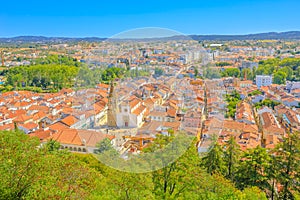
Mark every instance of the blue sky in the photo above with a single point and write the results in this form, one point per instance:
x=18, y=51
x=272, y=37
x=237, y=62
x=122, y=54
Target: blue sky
x=106, y=18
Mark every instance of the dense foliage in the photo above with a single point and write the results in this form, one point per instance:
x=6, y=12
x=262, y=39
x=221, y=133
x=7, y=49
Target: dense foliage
x=222, y=64
x=232, y=100
x=282, y=70
x=267, y=102
x=54, y=72
x=43, y=76
x=231, y=72
x=57, y=60
x=210, y=72
x=28, y=172
x=276, y=171
x=254, y=93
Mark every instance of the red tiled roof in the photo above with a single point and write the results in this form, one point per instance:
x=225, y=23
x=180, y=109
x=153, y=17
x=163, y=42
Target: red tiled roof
x=69, y=120
x=58, y=126
x=41, y=134
x=79, y=137
x=29, y=125
x=22, y=118
x=7, y=127
x=67, y=136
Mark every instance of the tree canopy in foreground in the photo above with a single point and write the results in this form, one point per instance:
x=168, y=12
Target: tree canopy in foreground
x=32, y=172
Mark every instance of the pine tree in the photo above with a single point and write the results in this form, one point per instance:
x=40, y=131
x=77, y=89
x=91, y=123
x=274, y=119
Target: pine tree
x=287, y=156
x=232, y=157
x=253, y=168
x=213, y=162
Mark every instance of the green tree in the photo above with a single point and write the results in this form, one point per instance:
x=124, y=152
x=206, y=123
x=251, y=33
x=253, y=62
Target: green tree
x=232, y=157
x=272, y=174
x=253, y=193
x=54, y=59
x=104, y=146
x=222, y=64
x=232, y=100
x=231, y=72
x=287, y=155
x=123, y=185
x=288, y=71
x=175, y=180
x=254, y=93
x=42, y=76
x=212, y=74
x=28, y=172
x=214, y=162
x=112, y=73
x=52, y=146
x=252, y=169
x=279, y=77
x=248, y=72
x=289, y=66
x=267, y=102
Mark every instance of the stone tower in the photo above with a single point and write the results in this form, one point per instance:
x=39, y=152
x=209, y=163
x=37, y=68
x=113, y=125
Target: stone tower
x=112, y=107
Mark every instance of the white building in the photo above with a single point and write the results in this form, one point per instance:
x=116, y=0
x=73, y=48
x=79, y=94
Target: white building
x=131, y=114
x=263, y=80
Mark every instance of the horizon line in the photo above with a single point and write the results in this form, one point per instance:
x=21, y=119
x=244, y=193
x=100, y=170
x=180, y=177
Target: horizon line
x=111, y=37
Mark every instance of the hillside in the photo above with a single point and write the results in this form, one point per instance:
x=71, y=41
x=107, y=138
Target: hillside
x=291, y=35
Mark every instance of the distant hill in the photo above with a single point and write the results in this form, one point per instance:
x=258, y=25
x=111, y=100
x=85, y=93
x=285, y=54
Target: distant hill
x=43, y=39
x=291, y=35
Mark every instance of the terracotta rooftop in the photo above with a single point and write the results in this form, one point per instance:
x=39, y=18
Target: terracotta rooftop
x=41, y=134
x=22, y=118
x=58, y=126
x=70, y=120
x=29, y=125
x=79, y=137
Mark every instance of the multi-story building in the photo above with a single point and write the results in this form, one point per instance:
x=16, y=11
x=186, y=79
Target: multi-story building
x=131, y=114
x=263, y=80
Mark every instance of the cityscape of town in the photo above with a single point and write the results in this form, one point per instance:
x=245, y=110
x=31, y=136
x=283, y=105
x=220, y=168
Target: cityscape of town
x=205, y=88
x=83, y=94
x=150, y=113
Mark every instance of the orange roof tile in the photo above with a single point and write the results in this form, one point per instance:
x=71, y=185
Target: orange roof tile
x=70, y=120
x=29, y=125
x=58, y=126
